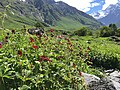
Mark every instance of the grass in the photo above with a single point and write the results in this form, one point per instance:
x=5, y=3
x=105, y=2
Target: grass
x=68, y=23
x=100, y=44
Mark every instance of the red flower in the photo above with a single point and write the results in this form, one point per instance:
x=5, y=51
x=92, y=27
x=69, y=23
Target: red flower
x=51, y=30
x=88, y=48
x=80, y=73
x=0, y=44
x=31, y=39
x=67, y=39
x=35, y=47
x=44, y=58
x=19, y=52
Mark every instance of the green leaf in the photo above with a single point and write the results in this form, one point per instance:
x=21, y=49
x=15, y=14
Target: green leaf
x=24, y=87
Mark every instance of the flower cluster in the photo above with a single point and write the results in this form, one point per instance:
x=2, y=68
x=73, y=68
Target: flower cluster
x=44, y=58
x=51, y=30
x=19, y=52
x=0, y=44
x=31, y=39
x=35, y=46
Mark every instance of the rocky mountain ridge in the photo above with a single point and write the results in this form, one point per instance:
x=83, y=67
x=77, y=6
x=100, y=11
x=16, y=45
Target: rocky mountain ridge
x=54, y=13
x=112, y=14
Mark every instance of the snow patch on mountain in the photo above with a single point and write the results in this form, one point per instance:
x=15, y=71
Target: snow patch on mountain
x=99, y=14
x=103, y=13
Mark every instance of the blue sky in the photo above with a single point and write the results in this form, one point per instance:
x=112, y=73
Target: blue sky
x=97, y=5
x=90, y=6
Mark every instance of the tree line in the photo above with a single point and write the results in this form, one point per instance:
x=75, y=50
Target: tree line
x=104, y=31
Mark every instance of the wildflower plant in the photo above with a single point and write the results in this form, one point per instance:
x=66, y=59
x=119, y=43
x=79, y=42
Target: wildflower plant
x=32, y=64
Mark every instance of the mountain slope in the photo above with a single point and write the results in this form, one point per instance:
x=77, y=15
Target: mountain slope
x=19, y=13
x=57, y=14
x=113, y=14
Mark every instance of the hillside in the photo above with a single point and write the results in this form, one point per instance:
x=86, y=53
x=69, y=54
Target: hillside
x=18, y=13
x=57, y=14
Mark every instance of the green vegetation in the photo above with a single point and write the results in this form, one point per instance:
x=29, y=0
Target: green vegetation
x=15, y=14
x=84, y=31
x=109, y=31
x=54, y=59
x=68, y=23
x=18, y=13
x=41, y=62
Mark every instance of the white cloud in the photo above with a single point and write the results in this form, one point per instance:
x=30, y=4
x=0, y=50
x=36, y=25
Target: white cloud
x=83, y=5
x=108, y=2
x=95, y=4
x=98, y=14
x=86, y=9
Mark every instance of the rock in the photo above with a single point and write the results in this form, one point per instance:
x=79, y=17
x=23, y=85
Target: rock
x=37, y=31
x=115, y=74
x=116, y=84
x=110, y=82
x=115, y=38
x=115, y=78
x=90, y=78
x=102, y=84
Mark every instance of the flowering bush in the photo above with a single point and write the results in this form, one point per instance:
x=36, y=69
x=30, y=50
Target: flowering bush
x=48, y=63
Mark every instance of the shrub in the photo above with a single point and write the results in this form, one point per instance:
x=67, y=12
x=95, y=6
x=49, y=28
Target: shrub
x=82, y=32
x=48, y=63
x=105, y=31
x=117, y=33
x=106, y=61
x=113, y=28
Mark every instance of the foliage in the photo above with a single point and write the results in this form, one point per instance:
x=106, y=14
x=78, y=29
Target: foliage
x=105, y=31
x=41, y=62
x=52, y=61
x=113, y=28
x=117, y=33
x=83, y=31
x=106, y=54
x=106, y=61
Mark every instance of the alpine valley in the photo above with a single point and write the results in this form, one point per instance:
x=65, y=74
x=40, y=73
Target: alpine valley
x=49, y=45
x=57, y=14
